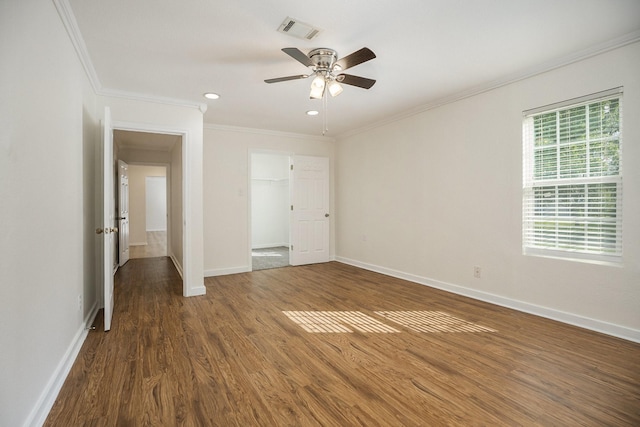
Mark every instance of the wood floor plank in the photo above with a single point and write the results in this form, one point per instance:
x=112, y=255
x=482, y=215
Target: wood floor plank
x=234, y=358
x=156, y=246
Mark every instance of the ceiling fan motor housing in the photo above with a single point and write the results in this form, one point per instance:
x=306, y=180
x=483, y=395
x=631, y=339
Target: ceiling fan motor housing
x=323, y=59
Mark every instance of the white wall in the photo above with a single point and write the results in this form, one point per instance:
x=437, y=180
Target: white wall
x=137, y=200
x=129, y=114
x=156, y=203
x=435, y=194
x=269, y=200
x=226, y=184
x=48, y=139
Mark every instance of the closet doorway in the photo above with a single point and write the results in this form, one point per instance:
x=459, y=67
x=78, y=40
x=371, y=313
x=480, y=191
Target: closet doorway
x=270, y=211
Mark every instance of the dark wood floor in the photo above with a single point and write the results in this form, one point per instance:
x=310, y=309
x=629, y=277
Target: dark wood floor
x=233, y=358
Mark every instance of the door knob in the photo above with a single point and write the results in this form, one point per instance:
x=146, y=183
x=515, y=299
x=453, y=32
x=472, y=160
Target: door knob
x=326, y=215
x=99, y=230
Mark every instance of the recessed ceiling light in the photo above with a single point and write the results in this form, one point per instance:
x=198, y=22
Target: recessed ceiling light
x=211, y=95
x=312, y=113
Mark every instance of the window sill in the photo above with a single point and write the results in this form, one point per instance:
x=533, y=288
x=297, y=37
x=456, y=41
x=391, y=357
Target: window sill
x=609, y=261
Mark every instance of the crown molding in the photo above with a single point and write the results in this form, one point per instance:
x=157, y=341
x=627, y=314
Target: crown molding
x=256, y=131
x=71, y=25
x=580, y=55
x=150, y=98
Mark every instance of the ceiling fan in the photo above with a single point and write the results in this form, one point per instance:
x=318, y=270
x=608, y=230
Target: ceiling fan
x=327, y=69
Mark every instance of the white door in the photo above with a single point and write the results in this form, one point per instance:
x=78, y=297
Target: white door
x=123, y=212
x=108, y=222
x=310, y=210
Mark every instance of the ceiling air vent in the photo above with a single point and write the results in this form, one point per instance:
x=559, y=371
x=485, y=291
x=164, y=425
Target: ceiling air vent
x=298, y=29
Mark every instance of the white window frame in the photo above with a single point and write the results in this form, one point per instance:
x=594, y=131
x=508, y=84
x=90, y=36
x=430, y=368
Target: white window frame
x=533, y=244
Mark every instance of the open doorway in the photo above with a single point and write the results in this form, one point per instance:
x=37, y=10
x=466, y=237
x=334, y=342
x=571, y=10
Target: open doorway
x=270, y=210
x=148, y=211
x=155, y=182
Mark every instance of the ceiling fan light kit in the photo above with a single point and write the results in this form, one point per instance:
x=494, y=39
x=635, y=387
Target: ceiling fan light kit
x=335, y=88
x=317, y=87
x=325, y=65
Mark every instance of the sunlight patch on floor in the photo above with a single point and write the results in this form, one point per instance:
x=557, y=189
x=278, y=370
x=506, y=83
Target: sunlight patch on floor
x=432, y=321
x=335, y=321
x=418, y=321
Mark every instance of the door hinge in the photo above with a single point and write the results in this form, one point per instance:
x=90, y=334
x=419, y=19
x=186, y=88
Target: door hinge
x=291, y=207
x=291, y=247
x=291, y=167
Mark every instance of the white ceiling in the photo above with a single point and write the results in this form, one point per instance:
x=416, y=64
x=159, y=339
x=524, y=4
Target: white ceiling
x=428, y=51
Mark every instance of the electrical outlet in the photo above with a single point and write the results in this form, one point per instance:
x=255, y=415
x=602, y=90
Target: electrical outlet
x=477, y=272
x=80, y=302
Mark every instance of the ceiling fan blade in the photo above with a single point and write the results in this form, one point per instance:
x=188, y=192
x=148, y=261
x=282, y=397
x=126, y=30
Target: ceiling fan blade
x=362, y=82
x=284, y=79
x=358, y=57
x=298, y=55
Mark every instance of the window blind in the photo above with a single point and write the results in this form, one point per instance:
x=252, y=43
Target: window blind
x=572, y=184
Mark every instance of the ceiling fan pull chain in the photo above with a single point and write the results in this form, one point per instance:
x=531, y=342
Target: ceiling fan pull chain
x=325, y=120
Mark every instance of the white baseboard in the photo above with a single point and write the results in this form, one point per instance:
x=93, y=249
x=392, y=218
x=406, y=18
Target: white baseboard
x=191, y=292
x=225, y=271
x=47, y=398
x=176, y=265
x=159, y=229
x=549, y=313
x=91, y=316
x=194, y=292
x=236, y=270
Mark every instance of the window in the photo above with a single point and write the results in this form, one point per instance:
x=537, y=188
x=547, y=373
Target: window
x=572, y=198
